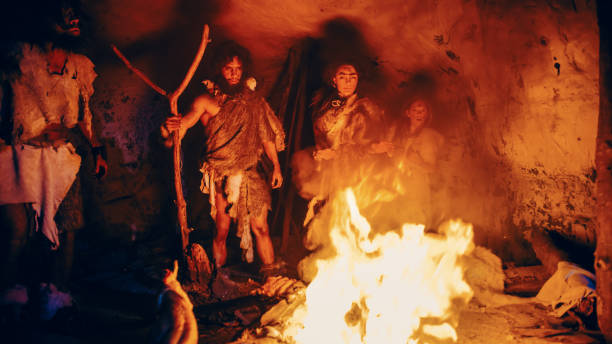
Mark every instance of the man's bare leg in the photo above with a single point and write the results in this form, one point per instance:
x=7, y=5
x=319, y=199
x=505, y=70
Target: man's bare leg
x=222, y=223
x=260, y=228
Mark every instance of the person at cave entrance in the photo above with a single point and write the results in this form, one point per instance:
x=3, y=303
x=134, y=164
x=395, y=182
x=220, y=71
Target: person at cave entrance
x=244, y=137
x=45, y=87
x=347, y=131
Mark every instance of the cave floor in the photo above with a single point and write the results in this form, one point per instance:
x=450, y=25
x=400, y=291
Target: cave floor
x=115, y=293
x=524, y=323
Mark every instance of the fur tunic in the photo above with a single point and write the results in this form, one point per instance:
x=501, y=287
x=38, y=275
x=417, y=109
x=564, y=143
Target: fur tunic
x=341, y=122
x=32, y=100
x=347, y=126
x=233, y=159
x=40, y=99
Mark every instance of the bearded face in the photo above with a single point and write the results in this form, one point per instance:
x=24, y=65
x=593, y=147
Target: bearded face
x=231, y=78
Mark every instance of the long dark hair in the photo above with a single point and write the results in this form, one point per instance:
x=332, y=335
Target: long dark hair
x=328, y=91
x=223, y=55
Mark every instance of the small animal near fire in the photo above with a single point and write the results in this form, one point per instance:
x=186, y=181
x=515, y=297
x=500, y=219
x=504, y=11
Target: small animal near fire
x=176, y=323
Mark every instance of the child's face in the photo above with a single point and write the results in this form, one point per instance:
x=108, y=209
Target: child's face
x=418, y=113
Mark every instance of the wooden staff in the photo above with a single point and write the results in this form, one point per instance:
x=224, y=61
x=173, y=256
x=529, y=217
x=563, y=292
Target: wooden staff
x=173, y=99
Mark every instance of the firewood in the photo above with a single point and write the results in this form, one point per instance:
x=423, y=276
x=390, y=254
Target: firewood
x=279, y=286
x=546, y=251
x=524, y=280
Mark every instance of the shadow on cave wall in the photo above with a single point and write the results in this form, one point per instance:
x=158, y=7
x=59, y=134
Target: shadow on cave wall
x=467, y=183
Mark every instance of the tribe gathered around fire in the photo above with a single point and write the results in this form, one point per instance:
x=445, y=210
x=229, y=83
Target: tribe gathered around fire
x=242, y=131
x=241, y=160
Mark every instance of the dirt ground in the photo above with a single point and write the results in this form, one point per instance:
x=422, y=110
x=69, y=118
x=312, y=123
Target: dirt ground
x=524, y=323
x=116, y=288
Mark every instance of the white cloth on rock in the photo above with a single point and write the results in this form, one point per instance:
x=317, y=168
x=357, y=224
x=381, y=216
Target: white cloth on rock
x=564, y=290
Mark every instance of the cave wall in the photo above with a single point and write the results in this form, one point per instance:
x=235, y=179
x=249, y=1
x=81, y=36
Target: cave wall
x=515, y=85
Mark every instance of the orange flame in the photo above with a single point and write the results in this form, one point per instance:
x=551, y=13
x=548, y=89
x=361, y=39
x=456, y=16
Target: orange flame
x=396, y=287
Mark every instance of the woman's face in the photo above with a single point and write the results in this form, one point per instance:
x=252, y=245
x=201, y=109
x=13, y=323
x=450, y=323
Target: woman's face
x=345, y=80
x=418, y=113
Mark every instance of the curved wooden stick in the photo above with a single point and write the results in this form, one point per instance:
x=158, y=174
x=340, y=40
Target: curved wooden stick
x=180, y=199
x=138, y=72
x=194, y=65
x=173, y=99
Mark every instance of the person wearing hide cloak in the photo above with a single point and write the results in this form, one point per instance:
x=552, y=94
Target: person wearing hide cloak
x=415, y=152
x=347, y=136
x=243, y=138
x=44, y=97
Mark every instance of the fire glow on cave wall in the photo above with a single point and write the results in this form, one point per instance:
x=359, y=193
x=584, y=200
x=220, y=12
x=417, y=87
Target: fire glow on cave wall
x=515, y=84
x=520, y=131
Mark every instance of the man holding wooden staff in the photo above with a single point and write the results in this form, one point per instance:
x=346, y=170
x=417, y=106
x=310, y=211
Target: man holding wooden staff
x=243, y=138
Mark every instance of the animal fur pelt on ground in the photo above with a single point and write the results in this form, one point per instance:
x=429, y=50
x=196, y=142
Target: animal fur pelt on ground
x=176, y=323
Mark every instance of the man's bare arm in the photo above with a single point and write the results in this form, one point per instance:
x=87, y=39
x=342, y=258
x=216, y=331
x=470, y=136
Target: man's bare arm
x=89, y=134
x=97, y=148
x=277, y=176
x=201, y=110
